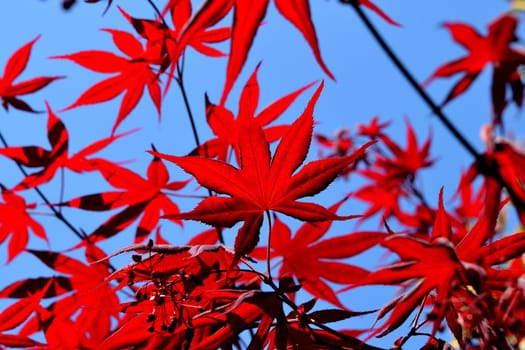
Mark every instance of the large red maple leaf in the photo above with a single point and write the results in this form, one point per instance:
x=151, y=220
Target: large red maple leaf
x=493, y=48
x=9, y=90
x=264, y=183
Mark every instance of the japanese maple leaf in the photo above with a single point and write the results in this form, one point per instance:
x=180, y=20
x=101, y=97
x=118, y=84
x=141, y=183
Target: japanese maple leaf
x=340, y=145
x=15, y=315
x=405, y=163
x=132, y=75
x=141, y=197
x=93, y=299
x=57, y=157
x=372, y=130
x=314, y=260
x=264, y=183
x=186, y=281
x=377, y=10
x=247, y=309
x=435, y=267
x=392, y=175
x=470, y=201
x=16, y=222
x=493, y=48
x=162, y=39
x=9, y=90
x=504, y=167
x=429, y=266
x=227, y=128
x=81, y=292
x=380, y=187
x=247, y=17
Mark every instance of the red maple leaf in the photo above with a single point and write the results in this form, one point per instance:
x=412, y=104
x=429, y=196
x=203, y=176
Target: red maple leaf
x=314, y=260
x=428, y=266
x=503, y=166
x=142, y=197
x=57, y=157
x=247, y=17
x=162, y=40
x=227, y=128
x=181, y=14
x=295, y=333
x=340, y=145
x=9, y=90
x=374, y=129
x=182, y=297
x=83, y=295
x=493, y=48
x=392, y=174
x=435, y=270
x=132, y=75
x=15, y=315
x=264, y=183
x=405, y=163
x=16, y=222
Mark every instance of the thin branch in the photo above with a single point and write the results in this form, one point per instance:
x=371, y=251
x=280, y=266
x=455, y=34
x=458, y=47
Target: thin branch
x=56, y=212
x=410, y=78
x=180, y=81
x=484, y=167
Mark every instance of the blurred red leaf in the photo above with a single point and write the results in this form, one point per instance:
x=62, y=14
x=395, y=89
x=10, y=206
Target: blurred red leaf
x=493, y=48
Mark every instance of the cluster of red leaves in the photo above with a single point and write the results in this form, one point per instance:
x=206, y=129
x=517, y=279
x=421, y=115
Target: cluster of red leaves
x=204, y=295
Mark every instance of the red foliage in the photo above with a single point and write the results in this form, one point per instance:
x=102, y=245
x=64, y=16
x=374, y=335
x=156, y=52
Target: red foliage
x=9, y=90
x=456, y=266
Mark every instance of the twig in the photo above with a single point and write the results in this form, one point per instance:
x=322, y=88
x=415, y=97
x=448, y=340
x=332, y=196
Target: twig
x=56, y=212
x=180, y=81
x=410, y=78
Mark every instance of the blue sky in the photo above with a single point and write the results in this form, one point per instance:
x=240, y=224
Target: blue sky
x=367, y=85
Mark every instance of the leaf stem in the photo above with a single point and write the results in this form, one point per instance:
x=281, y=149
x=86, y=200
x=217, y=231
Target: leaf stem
x=268, y=247
x=410, y=78
x=180, y=82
